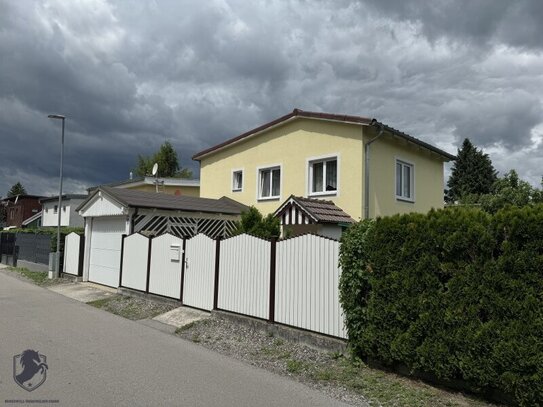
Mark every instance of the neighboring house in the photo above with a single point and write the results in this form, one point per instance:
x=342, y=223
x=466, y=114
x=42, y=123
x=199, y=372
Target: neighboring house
x=19, y=208
x=365, y=168
x=172, y=186
x=68, y=215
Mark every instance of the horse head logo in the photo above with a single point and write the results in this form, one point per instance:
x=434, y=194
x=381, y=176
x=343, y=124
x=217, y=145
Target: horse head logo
x=29, y=369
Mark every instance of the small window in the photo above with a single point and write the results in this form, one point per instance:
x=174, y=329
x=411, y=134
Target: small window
x=269, y=183
x=55, y=209
x=404, y=181
x=63, y=208
x=46, y=210
x=237, y=180
x=323, y=176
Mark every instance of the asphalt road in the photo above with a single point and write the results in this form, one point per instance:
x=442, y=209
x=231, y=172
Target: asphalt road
x=99, y=359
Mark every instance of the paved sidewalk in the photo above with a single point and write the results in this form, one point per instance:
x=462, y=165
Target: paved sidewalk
x=83, y=292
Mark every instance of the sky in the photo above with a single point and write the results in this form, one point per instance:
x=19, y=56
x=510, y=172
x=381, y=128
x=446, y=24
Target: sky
x=131, y=74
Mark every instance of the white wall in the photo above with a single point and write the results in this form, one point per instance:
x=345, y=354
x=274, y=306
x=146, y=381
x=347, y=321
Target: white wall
x=68, y=217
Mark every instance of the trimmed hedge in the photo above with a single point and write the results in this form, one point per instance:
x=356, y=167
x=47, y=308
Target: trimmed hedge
x=456, y=294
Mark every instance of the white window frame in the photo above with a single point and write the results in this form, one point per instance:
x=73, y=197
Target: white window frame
x=404, y=163
x=279, y=167
x=234, y=171
x=309, y=174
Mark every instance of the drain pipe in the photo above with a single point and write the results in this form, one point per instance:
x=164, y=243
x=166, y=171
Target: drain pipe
x=367, y=168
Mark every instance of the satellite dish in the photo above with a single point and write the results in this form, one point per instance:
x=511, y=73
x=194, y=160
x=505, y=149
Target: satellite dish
x=155, y=168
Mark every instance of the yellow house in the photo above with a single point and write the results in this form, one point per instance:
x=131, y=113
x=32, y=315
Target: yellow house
x=360, y=165
x=172, y=186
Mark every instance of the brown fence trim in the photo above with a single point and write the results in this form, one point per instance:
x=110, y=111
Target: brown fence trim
x=122, y=255
x=217, y=261
x=149, y=264
x=183, y=264
x=273, y=260
x=81, y=255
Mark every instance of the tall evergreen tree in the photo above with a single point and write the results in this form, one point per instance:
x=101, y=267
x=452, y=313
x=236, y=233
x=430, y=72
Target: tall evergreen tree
x=472, y=173
x=16, y=189
x=168, y=164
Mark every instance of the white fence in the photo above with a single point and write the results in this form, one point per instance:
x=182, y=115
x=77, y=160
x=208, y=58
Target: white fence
x=73, y=244
x=199, y=276
x=306, y=285
x=166, y=262
x=292, y=282
x=244, y=276
x=135, y=258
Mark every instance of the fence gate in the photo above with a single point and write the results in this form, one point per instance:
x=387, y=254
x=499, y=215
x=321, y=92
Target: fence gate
x=165, y=273
x=199, y=272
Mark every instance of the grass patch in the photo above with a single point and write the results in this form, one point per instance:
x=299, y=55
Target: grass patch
x=37, y=277
x=296, y=366
x=384, y=388
x=133, y=308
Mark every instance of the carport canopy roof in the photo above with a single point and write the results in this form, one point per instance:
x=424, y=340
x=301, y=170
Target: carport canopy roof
x=130, y=198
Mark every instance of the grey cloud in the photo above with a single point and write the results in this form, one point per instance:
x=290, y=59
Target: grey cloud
x=130, y=75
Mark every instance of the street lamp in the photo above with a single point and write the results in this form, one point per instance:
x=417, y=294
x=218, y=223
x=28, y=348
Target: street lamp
x=59, y=211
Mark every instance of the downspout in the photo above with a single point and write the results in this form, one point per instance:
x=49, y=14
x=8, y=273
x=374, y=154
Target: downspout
x=367, y=168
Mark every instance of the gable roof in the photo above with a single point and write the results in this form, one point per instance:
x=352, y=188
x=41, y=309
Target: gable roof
x=297, y=113
x=141, y=199
x=65, y=197
x=19, y=197
x=167, y=181
x=299, y=211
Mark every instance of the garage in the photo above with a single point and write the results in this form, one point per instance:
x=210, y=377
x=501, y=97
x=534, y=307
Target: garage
x=110, y=213
x=105, y=250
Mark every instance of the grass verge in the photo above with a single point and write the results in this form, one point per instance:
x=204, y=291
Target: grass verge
x=338, y=375
x=133, y=308
x=37, y=277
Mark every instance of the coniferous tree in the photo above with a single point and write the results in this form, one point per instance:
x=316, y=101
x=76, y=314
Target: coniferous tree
x=472, y=173
x=16, y=189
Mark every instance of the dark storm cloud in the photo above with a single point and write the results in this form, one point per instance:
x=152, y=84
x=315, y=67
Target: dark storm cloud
x=514, y=23
x=130, y=75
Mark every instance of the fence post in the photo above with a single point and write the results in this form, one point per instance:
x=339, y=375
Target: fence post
x=81, y=255
x=149, y=264
x=273, y=260
x=182, y=271
x=217, y=263
x=122, y=255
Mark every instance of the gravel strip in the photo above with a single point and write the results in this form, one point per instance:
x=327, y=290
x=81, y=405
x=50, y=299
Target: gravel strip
x=271, y=353
x=133, y=308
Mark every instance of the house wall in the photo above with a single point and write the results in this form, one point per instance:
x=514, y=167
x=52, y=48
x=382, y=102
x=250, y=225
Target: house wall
x=24, y=209
x=68, y=217
x=168, y=189
x=428, y=176
x=290, y=145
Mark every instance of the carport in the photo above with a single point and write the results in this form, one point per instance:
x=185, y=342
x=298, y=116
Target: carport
x=110, y=213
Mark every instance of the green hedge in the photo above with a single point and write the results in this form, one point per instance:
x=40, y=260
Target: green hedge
x=456, y=294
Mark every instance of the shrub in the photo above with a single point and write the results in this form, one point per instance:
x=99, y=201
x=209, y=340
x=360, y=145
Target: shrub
x=253, y=223
x=456, y=293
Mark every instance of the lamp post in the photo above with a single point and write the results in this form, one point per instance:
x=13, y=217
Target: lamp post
x=59, y=211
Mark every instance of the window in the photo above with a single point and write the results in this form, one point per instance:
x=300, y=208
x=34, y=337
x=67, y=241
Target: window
x=323, y=176
x=63, y=208
x=269, y=183
x=404, y=181
x=237, y=180
x=55, y=209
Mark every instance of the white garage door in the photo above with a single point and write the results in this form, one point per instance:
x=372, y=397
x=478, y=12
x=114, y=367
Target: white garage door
x=105, y=250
